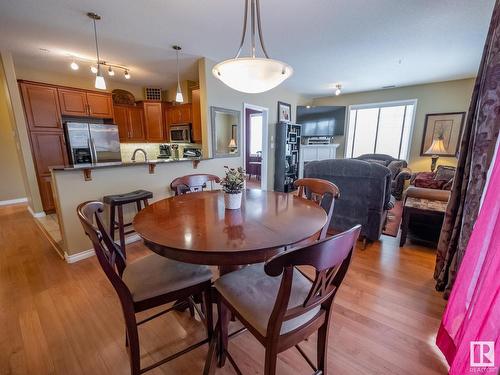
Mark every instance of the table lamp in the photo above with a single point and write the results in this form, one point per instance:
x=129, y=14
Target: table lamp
x=437, y=148
x=232, y=145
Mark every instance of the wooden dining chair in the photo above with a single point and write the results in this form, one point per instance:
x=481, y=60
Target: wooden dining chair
x=193, y=183
x=322, y=192
x=145, y=283
x=283, y=311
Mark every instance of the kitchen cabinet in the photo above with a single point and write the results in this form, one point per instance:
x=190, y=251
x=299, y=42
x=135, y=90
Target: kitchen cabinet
x=179, y=114
x=153, y=119
x=82, y=103
x=46, y=194
x=100, y=105
x=73, y=102
x=41, y=107
x=49, y=149
x=130, y=121
x=196, y=116
x=136, y=124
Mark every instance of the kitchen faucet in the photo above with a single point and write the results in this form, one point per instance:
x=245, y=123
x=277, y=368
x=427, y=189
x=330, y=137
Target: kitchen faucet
x=142, y=150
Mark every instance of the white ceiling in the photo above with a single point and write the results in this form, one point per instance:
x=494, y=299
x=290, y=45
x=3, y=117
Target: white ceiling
x=363, y=44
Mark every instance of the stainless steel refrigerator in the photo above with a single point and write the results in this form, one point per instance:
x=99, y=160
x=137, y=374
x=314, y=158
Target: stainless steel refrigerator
x=92, y=143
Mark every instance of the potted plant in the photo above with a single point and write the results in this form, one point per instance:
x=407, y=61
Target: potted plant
x=232, y=184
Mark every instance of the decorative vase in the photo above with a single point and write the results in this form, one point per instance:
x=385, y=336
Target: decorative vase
x=232, y=201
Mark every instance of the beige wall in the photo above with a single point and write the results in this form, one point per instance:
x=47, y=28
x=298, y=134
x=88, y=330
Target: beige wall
x=12, y=186
x=21, y=137
x=450, y=96
x=219, y=95
x=76, y=80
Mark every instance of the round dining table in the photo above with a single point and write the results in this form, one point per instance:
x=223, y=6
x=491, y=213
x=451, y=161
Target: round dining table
x=196, y=228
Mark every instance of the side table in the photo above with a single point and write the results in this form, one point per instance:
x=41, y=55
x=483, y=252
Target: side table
x=420, y=206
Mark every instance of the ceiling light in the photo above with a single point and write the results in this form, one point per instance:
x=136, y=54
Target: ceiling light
x=111, y=72
x=127, y=74
x=74, y=65
x=338, y=89
x=252, y=74
x=99, y=79
x=100, y=83
x=178, y=95
x=93, y=69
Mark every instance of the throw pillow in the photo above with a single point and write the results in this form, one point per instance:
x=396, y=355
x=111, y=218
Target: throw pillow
x=395, y=166
x=444, y=173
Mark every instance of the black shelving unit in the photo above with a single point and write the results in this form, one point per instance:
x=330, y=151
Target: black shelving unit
x=286, y=169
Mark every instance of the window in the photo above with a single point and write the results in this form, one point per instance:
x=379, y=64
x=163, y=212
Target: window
x=255, y=134
x=380, y=128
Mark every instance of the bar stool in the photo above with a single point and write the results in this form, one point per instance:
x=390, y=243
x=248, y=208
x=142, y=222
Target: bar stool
x=116, y=203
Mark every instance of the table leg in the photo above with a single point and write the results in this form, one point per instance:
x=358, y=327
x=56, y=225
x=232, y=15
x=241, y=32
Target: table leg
x=404, y=226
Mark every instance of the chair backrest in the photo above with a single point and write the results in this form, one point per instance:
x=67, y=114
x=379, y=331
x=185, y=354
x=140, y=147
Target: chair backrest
x=330, y=258
x=366, y=193
x=192, y=183
x=316, y=190
x=108, y=253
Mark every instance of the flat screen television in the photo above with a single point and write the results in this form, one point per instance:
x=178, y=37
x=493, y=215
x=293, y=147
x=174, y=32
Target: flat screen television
x=321, y=121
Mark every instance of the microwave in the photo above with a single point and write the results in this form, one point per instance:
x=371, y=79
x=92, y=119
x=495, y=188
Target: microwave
x=180, y=134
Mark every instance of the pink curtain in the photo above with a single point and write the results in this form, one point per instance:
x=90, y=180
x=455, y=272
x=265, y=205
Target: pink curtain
x=473, y=311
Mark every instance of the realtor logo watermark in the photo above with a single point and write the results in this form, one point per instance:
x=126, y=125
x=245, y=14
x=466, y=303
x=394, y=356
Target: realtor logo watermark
x=482, y=356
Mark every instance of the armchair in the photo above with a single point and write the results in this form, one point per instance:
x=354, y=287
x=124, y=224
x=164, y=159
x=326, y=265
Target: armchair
x=398, y=167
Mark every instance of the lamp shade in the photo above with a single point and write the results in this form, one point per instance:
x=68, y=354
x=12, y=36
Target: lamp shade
x=99, y=81
x=437, y=148
x=252, y=74
x=232, y=143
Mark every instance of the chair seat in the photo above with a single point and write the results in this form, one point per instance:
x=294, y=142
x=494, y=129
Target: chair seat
x=154, y=275
x=133, y=196
x=253, y=294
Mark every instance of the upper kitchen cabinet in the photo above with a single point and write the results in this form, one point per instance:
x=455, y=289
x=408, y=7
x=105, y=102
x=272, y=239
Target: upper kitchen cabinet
x=73, y=102
x=130, y=121
x=179, y=114
x=196, y=117
x=85, y=103
x=100, y=105
x=153, y=119
x=41, y=106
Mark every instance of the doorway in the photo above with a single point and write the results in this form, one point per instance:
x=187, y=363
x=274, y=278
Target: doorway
x=256, y=146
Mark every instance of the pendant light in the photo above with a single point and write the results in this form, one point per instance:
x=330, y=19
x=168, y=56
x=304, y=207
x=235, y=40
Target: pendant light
x=178, y=95
x=100, y=83
x=252, y=74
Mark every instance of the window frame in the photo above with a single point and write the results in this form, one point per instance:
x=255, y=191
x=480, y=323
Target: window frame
x=379, y=105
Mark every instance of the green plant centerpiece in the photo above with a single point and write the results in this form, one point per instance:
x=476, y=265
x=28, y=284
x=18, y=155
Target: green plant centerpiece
x=233, y=184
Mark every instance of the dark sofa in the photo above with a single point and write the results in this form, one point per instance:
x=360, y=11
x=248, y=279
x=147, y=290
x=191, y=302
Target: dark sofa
x=365, y=193
x=399, y=171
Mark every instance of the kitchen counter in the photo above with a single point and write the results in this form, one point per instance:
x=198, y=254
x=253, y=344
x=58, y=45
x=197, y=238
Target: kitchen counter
x=120, y=164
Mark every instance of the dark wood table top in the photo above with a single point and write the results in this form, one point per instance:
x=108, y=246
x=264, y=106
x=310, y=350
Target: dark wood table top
x=196, y=228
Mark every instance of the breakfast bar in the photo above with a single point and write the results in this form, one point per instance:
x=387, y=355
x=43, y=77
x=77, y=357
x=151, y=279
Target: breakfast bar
x=75, y=184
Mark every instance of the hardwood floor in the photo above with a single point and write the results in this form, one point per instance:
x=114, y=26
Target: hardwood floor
x=57, y=318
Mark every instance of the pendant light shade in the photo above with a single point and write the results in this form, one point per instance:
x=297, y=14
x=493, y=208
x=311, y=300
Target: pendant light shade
x=100, y=83
x=178, y=95
x=252, y=74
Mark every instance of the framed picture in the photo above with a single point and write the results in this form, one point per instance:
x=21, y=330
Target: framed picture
x=447, y=126
x=284, y=112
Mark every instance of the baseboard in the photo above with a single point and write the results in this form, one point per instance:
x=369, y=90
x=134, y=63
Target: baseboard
x=36, y=214
x=89, y=253
x=79, y=256
x=13, y=201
